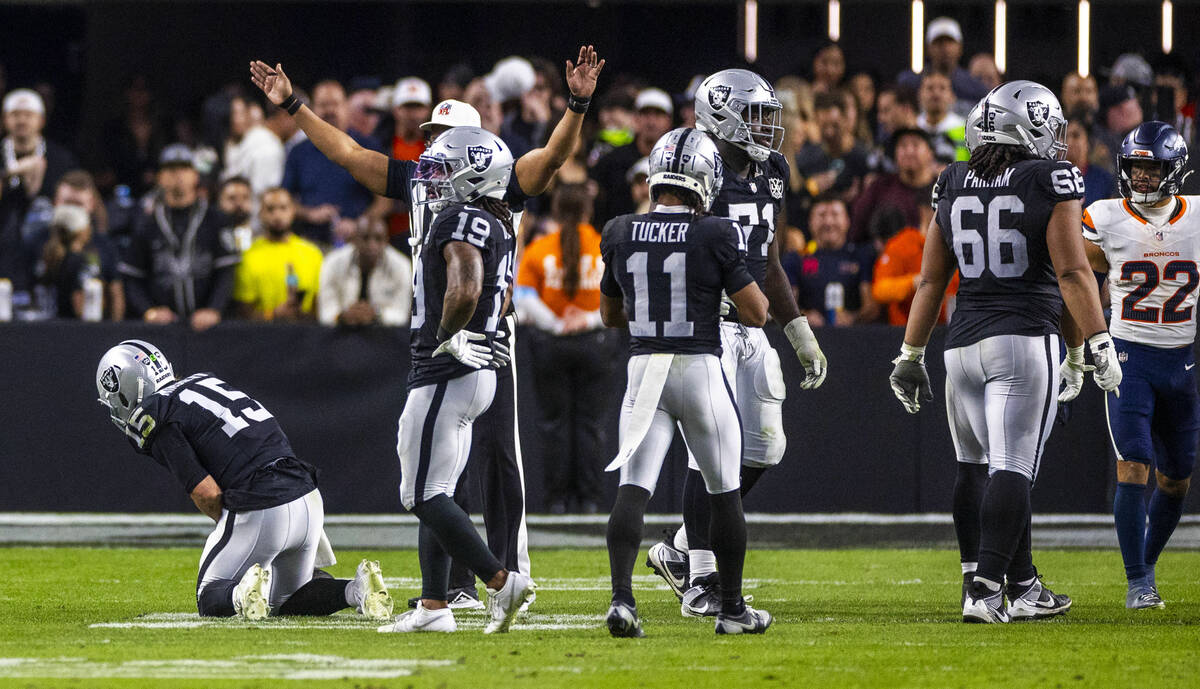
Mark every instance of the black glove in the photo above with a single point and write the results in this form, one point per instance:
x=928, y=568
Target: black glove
x=910, y=380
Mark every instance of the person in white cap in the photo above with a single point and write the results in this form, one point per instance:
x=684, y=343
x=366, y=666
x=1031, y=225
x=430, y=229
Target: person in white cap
x=944, y=50
x=410, y=107
x=494, y=444
x=654, y=111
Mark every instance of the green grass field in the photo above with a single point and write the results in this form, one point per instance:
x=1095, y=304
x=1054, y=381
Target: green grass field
x=72, y=617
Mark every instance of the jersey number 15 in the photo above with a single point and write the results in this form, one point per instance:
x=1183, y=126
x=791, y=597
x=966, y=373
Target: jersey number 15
x=233, y=421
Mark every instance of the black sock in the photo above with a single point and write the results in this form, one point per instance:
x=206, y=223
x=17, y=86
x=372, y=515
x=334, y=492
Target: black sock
x=460, y=575
x=697, y=511
x=750, y=476
x=1003, y=519
x=457, y=536
x=1021, y=568
x=435, y=565
x=625, y=539
x=968, y=496
x=729, y=546
x=217, y=599
x=317, y=597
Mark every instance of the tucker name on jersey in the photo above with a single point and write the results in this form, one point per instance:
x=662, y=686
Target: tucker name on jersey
x=1152, y=274
x=754, y=202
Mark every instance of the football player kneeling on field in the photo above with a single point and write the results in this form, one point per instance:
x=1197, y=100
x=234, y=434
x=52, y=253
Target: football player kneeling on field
x=239, y=468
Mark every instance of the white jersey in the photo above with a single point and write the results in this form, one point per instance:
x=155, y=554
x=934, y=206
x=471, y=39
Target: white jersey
x=1152, y=274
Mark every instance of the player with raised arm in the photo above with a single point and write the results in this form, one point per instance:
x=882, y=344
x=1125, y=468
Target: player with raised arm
x=239, y=468
x=664, y=273
x=1148, y=244
x=496, y=450
x=739, y=112
x=1007, y=219
x=461, y=278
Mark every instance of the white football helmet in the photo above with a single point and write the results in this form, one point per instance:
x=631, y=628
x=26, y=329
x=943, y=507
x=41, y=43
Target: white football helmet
x=1026, y=114
x=688, y=159
x=739, y=106
x=127, y=374
x=463, y=164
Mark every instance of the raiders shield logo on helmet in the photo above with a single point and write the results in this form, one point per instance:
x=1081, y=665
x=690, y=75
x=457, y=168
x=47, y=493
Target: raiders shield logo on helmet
x=776, y=188
x=1039, y=112
x=480, y=157
x=718, y=96
x=109, y=380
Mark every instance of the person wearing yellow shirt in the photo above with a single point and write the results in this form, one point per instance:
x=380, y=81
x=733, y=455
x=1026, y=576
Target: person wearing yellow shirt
x=279, y=274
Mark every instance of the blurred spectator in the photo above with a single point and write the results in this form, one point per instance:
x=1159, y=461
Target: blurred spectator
x=828, y=68
x=654, y=110
x=1080, y=94
x=252, y=151
x=279, y=276
x=477, y=96
x=132, y=141
x=856, y=120
x=907, y=190
x=361, y=115
x=792, y=249
x=948, y=128
x=1120, y=112
x=1098, y=183
x=558, y=292
x=944, y=50
x=1174, y=103
x=685, y=103
x=1131, y=69
x=177, y=266
x=525, y=126
x=284, y=126
x=862, y=85
x=639, y=185
x=834, y=165
x=75, y=262
x=236, y=201
x=896, y=109
x=32, y=167
x=367, y=281
x=411, y=103
x=834, y=285
x=898, y=271
x=330, y=200
x=76, y=188
x=984, y=70
x=616, y=118
x=454, y=82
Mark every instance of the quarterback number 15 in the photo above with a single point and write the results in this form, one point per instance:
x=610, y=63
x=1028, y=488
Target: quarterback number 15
x=234, y=421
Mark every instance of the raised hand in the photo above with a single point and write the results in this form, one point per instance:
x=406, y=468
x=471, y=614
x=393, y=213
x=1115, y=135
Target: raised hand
x=582, y=74
x=271, y=80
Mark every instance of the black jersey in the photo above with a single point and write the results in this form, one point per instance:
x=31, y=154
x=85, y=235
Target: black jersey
x=200, y=426
x=457, y=222
x=996, y=229
x=670, y=269
x=754, y=202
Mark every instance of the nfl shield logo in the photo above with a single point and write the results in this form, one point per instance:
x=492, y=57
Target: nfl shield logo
x=1039, y=112
x=444, y=109
x=718, y=96
x=1158, y=234
x=776, y=188
x=109, y=380
x=480, y=157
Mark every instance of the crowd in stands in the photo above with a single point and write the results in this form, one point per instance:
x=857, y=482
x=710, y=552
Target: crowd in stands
x=231, y=213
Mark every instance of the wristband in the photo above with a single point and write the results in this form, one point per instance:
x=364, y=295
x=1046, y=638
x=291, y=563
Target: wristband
x=291, y=104
x=911, y=353
x=1075, y=355
x=442, y=334
x=577, y=104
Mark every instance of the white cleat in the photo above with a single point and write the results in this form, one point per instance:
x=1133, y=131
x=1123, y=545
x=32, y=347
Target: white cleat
x=984, y=606
x=751, y=621
x=465, y=599
x=1036, y=603
x=252, y=595
x=504, y=604
x=374, y=601
x=528, y=602
x=671, y=564
x=421, y=620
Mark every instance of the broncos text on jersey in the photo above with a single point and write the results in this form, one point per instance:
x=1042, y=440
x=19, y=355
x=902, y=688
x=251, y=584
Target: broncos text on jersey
x=754, y=202
x=457, y=222
x=1152, y=271
x=670, y=268
x=996, y=229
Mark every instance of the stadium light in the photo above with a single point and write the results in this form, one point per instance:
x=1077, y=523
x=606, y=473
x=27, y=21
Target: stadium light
x=1085, y=39
x=750, y=39
x=1168, y=16
x=918, y=36
x=1001, y=52
x=835, y=20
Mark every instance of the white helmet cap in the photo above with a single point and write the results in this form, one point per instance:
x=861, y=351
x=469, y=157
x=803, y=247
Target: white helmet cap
x=453, y=113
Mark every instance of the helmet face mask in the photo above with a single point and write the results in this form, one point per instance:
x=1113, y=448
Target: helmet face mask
x=432, y=177
x=740, y=107
x=462, y=164
x=1155, y=142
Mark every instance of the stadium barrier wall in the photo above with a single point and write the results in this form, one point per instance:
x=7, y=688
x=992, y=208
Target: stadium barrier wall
x=338, y=395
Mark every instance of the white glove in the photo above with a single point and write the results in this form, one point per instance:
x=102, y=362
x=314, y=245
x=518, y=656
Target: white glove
x=910, y=380
x=1104, y=355
x=461, y=345
x=1071, y=374
x=807, y=351
x=726, y=306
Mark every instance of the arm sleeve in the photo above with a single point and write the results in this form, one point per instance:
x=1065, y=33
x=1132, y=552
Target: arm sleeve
x=399, y=180
x=724, y=244
x=172, y=450
x=514, y=195
x=531, y=309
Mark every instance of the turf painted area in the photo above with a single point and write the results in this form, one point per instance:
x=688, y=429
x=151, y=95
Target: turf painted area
x=72, y=617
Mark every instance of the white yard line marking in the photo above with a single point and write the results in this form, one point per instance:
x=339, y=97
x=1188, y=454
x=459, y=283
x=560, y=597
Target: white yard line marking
x=300, y=666
x=465, y=619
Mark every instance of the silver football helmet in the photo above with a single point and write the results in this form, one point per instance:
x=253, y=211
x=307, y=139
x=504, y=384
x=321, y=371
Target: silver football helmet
x=688, y=159
x=127, y=374
x=738, y=106
x=463, y=164
x=1026, y=114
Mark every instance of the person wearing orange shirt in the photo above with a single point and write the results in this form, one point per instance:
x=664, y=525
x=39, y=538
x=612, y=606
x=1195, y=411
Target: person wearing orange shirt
x=558, y=293
x=898, y=270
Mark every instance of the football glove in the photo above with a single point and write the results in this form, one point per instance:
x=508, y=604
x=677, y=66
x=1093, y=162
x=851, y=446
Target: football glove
x=501, y=354
x=910, y=380
x=807, y=351
x=1071, y=374
x=463, y=346
x=1104, y=355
